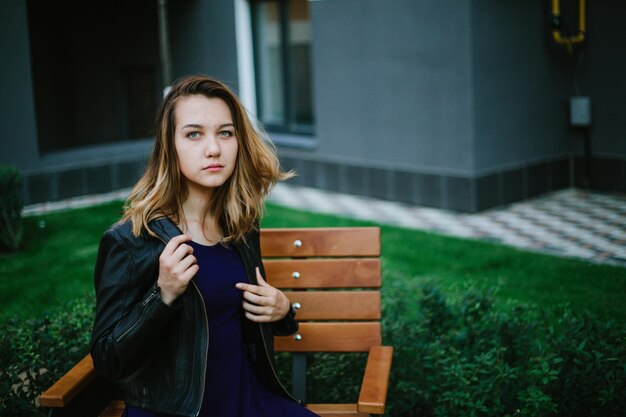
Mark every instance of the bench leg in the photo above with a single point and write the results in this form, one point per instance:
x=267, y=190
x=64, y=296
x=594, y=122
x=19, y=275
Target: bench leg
x=299, y=376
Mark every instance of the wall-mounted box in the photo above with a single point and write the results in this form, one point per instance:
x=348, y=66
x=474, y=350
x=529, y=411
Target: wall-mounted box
x=580, y=111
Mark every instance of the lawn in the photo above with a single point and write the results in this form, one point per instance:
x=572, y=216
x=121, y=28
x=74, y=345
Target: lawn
x=56, y=265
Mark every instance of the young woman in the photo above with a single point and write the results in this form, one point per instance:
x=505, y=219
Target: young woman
x=184, y=318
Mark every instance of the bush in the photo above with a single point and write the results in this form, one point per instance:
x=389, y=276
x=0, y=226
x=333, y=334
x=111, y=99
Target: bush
x=35, y=353
x=468, y=359
x=10, y=209
x=462, y=358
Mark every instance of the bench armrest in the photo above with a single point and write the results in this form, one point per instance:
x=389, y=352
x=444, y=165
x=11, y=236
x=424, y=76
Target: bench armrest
x=373, y=395
x=69, y=385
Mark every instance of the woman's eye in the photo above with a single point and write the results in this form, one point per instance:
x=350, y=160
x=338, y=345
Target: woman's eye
x=193, y=135
x=226, y=133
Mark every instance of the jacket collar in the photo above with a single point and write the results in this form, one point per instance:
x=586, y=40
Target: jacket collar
x=164, y=228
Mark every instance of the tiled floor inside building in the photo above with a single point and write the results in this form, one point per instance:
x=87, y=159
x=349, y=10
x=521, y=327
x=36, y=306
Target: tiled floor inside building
x=571, y=222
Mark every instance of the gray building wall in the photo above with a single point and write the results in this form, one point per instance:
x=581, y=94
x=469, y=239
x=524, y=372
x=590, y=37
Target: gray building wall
x=520, y=91
x=603, y=77
x=460, y=105
x=393, y=100
x=453, y=104
x=392, y=84
x=603, y=80
x=203, y=39
x=520, y=77
x=522, y=84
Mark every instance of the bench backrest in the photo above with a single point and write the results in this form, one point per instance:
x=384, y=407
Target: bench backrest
x=333, y=277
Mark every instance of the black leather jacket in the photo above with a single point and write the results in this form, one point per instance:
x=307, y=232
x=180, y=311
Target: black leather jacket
x=157, y=353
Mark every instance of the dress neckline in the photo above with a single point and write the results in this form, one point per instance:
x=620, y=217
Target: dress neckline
x=202, y=245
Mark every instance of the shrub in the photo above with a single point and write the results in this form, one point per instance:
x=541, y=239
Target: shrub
x=462, y=358
x=10, y=209
x=468, y=359
x=35, y=353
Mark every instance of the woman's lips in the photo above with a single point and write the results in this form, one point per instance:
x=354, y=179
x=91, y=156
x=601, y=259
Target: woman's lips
x=214, y=168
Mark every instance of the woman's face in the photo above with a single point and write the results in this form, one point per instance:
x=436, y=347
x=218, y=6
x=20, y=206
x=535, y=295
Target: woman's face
x=205, y=140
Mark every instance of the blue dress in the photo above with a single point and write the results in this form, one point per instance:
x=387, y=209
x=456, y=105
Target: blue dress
x=231, y=385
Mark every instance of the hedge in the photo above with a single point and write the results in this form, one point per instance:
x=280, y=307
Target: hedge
x=462, y=358
x=35, y=353
x=10, y=208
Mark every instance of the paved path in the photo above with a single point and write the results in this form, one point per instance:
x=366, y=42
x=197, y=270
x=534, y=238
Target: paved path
x=570, y=222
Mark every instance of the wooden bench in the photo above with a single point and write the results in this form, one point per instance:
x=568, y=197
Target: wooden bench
x=332, y=276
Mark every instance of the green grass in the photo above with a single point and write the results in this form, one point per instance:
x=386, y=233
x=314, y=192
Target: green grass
x=454, y=264
x=57, y=262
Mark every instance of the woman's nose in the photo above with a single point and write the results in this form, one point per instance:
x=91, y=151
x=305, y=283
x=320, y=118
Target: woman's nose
x=212, y=148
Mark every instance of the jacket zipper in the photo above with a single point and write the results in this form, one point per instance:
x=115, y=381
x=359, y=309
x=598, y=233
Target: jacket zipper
x=267, y=353
x=132, y=326
x=151, y=296
x=206, y=351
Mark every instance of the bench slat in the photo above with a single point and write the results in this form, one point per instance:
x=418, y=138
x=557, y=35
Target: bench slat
x=336, y=305
x=323, y=273
x=336, y=241
x=332, y=337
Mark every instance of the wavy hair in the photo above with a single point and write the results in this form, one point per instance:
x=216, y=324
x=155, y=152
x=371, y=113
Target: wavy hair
x=238, y=204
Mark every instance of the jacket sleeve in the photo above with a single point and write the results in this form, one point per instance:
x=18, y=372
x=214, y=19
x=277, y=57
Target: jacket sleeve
x=286, y=326
x=130, y=315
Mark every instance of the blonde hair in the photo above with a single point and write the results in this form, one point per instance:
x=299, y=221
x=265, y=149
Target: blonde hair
x=238, y=204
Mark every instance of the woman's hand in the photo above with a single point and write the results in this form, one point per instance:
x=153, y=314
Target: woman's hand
x=177, y=266
x=263, y=303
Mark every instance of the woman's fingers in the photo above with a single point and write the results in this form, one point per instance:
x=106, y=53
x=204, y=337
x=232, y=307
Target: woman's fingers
x=258, y=318
x=186, y=262
x=181, y=252
x=255, y=298
x=256, y=309
x=260, y=279
x=190, y=272
x=263, y=303
x=177, y=266
x=174, y=243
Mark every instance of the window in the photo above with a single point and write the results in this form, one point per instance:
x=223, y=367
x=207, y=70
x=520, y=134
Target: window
x=95, y=81
x=282, y=46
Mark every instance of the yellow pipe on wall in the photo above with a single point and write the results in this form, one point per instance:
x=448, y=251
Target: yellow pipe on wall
x=582, y=24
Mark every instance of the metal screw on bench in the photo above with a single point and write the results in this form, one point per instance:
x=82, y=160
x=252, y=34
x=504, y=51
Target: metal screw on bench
x=295, y=275
x=297, y=337
x=297, y=243
x=297, y=306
